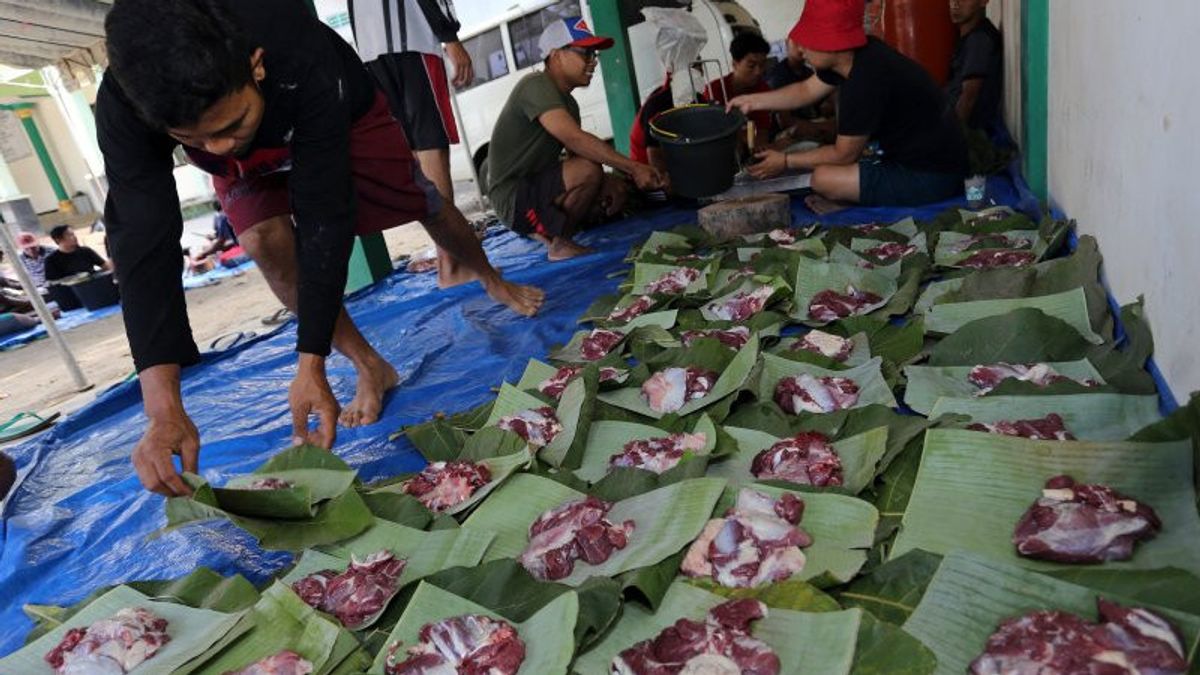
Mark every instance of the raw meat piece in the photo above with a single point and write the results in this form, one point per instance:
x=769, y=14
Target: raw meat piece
x=443, y=485
x=638, y=307
x=720, y=645
x=782, y=236
x=471, y=644
x=734, y=338
x=1127, y=641
x=828, y=345
x=576, y=530
x=993, y=258
x=742, y=305
x=990, y=241
x=829, y=305
x=599, y=343
x=1048, y=428
x=269, y=483
x=555, y=385
x=805, y=459
x=285, y=662
x=816, y=395
x=668, y=390
x=987, y=378
x=658, y=454
x=357, y=595
x=744, y=272
x=1078, y=523
x=867, y=228
x=891, y=251
x=115, y=645
x=757, y=542
x=538, y=426
x=674, y=282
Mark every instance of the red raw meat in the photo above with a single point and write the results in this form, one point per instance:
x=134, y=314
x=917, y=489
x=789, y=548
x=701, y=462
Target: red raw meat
x=757, y=542
x=994, y=258
x=668, y=390
x=1048, y=428
x=734, y=338
x=657, y=454
x=555, y=385
x=472, y=644
x=891, y=251
x=443, y=485
x=1077, y=523
x=117, y=644
x=599, y=343
x=673, y=282
x=829, y=305
x=805, y=459
x=987, y=378
x=538, y=426
x=638, y=307
x=357, y=595
x=828, y=345
x=742, y=305
x=816, y=395
x=576, y=530
x=285, y=662
x=720, y=644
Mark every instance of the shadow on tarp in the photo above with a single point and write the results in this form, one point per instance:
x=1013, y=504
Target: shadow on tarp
x=79, y=520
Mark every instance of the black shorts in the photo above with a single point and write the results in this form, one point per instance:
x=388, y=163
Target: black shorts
x=419, y=95
x=535, y=211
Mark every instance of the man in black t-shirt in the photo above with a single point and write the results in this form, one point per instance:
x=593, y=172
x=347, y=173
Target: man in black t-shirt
x=977, y=70
x=71, y=258
x=801, y=124
x=884, y=98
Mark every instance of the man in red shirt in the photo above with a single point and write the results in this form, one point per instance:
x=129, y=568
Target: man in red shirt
x=749, y=52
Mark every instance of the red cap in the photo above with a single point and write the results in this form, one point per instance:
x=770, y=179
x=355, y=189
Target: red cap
x=26, y=239
x=830, y=25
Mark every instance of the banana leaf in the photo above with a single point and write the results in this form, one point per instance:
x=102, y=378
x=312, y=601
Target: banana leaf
x=194, y=632
x=934, y=292
x=339, y=518
x=647, y=273
x=872, y=388
x=574, y=412
x=660, y=240
x=316, y=475
x=666, y=520
x=843, y=255
x=1183, y=424
x=820, y=643
x=537, y=372
x=927, y=384
x=860, y=457
x=969, y=597
x=606, y=439
x=1089, y=417
x=842, y=528
x=792, y=594
x=1070, y=306
x=733, y=377
x=1024, y=335
x=570, y=353
x=946, y=254
x=862, y=245
x=547, y=634
x=782, y=290
x=973, y=487
x=898, y=343
x=860, y=354
x=281, y=621
x=814, y=276
x=893, y=590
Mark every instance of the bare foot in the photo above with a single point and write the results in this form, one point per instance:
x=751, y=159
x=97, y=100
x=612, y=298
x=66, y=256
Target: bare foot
x=451, y=273
x=562, y=248
x=524, y=300
x=822, y=206
x=374, y=381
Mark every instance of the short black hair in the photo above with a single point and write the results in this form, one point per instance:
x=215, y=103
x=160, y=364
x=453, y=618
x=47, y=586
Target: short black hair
x=746, y=43
x=176, y=58
x=59, y=232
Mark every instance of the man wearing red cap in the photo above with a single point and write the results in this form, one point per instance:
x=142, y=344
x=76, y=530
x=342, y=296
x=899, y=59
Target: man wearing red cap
x=534, y=192
x=33, y=256
x=884, y=99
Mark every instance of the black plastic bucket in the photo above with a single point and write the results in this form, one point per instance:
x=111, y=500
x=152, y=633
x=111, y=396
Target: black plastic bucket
x=97, y=291
x=700, y=144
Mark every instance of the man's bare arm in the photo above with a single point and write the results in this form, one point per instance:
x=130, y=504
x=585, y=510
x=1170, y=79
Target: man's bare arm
x=790, y=97
x=968, y=98
x=845, y=150
x=578, y=142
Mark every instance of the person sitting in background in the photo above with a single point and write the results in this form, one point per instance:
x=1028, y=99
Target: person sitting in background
x=680, y=38
x=33, y=256
x=71, y=258
x=809, y=123
x=883, y=97
x=977, y=70
x=222, y=238
x=536, y=193
x=749, y=53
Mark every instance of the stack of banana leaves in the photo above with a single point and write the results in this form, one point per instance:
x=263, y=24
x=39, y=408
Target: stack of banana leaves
x=887, y=448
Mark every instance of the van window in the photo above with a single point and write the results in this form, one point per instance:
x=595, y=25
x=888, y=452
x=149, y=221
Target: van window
x=525, y=31
x=487, y=55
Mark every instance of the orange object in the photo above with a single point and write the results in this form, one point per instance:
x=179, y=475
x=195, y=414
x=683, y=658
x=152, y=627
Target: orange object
x=919, y=29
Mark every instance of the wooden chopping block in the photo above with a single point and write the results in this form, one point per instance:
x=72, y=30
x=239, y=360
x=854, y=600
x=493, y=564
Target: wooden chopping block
x=746, y=215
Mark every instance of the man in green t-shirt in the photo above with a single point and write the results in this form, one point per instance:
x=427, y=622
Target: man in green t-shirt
x=535, y=191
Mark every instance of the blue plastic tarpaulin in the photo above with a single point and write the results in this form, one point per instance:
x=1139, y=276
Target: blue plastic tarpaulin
x=78, y=518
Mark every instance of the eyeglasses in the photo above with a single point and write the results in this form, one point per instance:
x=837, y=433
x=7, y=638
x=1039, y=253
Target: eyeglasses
x=587, y=54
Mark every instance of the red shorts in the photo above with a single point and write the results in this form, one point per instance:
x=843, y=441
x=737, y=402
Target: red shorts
x=388, y=184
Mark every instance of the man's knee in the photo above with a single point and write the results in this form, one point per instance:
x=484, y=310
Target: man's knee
x=582, y=173
x=836, y=182
x=822, y=179
x=270, y=241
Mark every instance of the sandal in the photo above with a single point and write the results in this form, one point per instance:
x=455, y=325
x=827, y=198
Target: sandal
x=281, y=316
x=25, y=424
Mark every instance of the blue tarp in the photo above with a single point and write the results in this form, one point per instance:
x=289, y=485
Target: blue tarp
x=78, y=519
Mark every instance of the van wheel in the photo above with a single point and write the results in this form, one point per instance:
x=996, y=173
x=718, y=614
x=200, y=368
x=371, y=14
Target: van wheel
x=481, y=169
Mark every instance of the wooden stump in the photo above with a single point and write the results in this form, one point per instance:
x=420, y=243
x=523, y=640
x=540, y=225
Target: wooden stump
x=746, y=215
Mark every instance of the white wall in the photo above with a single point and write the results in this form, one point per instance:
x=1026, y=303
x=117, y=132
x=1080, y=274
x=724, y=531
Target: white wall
x=1124, y=138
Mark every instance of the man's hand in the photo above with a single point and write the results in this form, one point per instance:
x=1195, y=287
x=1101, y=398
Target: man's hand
x=167, y=435
x=770, y=163
x=310, y=395
x=464, y=71
x=648, y=178
x=747, y=103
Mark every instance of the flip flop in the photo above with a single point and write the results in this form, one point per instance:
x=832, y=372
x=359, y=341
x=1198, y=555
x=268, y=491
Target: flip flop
x=281, y=316
x=231, y=340
x=25, y=424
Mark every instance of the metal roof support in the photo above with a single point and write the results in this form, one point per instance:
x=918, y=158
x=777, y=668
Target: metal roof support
x=30, y=31
x=87, y=10
x=42, y=13
x=18, y=60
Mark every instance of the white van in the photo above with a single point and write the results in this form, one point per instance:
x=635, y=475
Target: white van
x=505, y=49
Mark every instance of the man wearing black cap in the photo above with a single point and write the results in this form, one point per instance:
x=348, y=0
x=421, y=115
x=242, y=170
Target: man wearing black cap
x=534, y=192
